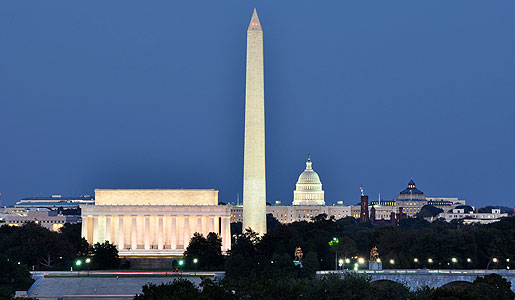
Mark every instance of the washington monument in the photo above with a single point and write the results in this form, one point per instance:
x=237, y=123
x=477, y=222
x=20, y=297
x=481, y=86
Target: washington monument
x=254, y=174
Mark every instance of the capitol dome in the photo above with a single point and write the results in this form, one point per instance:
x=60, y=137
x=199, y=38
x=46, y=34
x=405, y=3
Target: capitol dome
x=308, y=190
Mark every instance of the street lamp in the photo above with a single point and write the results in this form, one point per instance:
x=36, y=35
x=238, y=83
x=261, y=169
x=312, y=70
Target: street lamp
x=454, y=260
x=78, y=263
x=361, y=260
x=415, y=260
x=88, y=260
x=392, y=262
x=430, y=260
x=340, y=263
x=494, y=260
x=333, y=243
x=180, y=263
x=195, y=261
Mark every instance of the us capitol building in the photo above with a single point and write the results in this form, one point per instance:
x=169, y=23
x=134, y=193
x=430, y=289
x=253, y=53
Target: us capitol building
x=309, y=202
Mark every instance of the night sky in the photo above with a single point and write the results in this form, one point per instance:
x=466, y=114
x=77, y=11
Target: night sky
x=139, y=94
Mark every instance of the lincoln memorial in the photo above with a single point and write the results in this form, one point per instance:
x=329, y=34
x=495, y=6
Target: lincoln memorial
x=154, y=222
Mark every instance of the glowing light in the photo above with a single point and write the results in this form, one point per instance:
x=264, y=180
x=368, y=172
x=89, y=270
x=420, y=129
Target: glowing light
x=392, y=261
x=347, y=261
x=78, y=263
x=88, y=260
x=195, y=260
x=361, y=260
x=181, y=262
x=469, y=260
x=454, y=260
x=495, y=260
x=340, y=261
x=415, y=260
x=430, y=260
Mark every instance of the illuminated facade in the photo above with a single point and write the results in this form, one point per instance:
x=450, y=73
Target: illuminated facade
x=308, y=190
x=154, y=222
x=411, y=200
x=472, y=217
x=254, y=175
x=47, y=218
x=408, y=202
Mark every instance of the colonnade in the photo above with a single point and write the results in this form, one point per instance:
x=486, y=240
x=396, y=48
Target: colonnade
x=153, y=232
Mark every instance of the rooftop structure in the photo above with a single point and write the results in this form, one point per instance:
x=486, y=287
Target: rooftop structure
x=472, y=217
x=55, y=201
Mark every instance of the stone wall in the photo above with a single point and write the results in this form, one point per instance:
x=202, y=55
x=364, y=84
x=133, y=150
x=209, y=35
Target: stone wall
x=155, y=197
x=415, y=279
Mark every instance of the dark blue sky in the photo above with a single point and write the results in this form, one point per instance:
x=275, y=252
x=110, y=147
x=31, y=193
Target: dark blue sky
x=137, y=94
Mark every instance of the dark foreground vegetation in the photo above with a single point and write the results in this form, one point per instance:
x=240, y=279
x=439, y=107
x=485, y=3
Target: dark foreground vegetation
x=33, y=247
x=352, y=287
x=415, y=243
x=263, y=268
x=255, y=262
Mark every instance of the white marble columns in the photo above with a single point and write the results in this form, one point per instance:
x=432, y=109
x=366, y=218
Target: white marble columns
x=139, y=229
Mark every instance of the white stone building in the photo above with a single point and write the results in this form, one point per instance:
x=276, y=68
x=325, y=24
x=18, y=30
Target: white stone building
x=154, y=222
x=308, y=190
x=45, y=217
x=472, y=217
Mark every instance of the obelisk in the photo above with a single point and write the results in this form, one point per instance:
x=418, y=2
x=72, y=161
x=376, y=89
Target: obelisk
x=254, y=177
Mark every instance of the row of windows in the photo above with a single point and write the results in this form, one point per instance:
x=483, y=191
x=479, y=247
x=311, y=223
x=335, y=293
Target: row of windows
x=44, y=221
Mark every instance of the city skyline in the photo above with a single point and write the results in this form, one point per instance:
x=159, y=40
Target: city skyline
x=121, y=104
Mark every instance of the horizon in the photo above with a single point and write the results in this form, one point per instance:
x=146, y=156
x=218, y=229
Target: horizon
x=137, y=96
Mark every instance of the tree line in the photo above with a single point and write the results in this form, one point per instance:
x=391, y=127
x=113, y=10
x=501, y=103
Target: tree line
x=33, y=247
x=332, y=287
x=414, y=243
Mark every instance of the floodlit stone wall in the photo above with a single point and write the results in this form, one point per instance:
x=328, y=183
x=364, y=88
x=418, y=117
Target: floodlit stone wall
x=155, y=197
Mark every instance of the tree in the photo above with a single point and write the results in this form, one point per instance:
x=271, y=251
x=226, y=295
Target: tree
x=72, y=234
x=183, y=289
x=271, y=221
x=13, y=276
x=319, y=218
x=390, y=290
x=216, y=290
x=493, y=286
x=428, y=211
x=179, y=289
x=36, y=246
x=214, y=255
x=310, y=263
x=105, y=256
x=208, y=251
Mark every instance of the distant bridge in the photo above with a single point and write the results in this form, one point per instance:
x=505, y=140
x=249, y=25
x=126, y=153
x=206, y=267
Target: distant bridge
x=415, y=279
